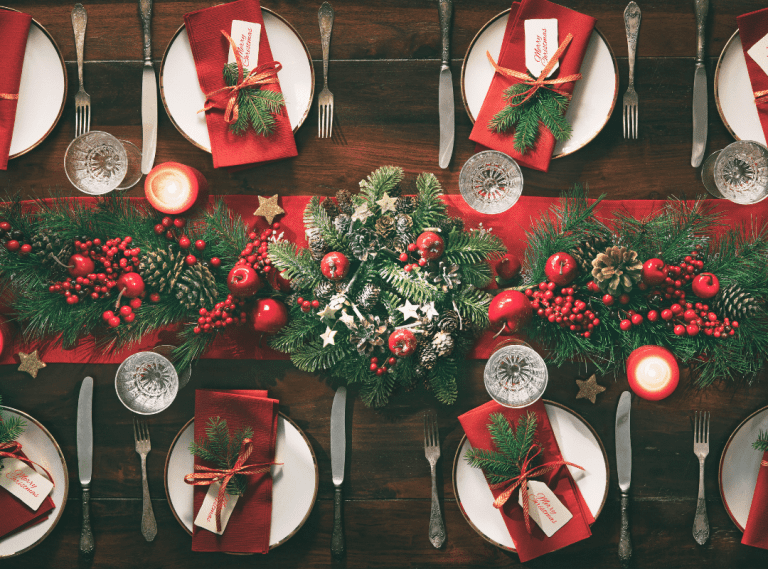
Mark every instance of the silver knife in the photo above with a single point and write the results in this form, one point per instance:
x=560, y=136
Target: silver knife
x=700, y=110
x=148, y=94
x=338, y=455
x=85, y=460
x=624, y=469
x=447, y=123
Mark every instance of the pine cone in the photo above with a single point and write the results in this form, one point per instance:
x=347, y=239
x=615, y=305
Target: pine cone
x=330, y=207
x=617, y=270
x=368, y=297
x=400, y=242
x=587, y=250
x=325, y=290
x=734, y=303
x=365, y=244
x=342, y=223
x=196, y=287
x=405, y=204
x=160, y=268
x=403, y=223
x=428, y=357
x=442, y=342
x=344, y=202
x=49, y=247
x=449, y=322
x=385, y=226
x=318, y=247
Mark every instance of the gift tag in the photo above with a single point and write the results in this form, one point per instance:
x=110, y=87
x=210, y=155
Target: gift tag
x=545, y=508
x=206, y=517
x=540, y=45
x=246, y=36
x=24, y=482
x=759, y=52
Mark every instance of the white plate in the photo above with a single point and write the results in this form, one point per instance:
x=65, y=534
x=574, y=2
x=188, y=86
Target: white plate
x=294, y=486
x=733, y=93
x=42, y=92
x=181, y=92
x=39, y=446
x=593, y=97
x=739, y=465
x=578, y=443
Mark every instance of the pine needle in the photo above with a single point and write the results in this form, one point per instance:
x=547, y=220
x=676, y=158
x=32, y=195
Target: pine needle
x=257, y=106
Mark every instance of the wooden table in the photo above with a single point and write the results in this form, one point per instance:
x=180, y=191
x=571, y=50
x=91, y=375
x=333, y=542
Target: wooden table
x=384, y=70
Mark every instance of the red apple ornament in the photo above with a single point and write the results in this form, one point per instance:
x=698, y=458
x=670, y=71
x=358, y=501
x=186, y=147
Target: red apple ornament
x=508, y=267
x=652, y=372
x=705, y=285
x=131, y=284
x=174, y=188
x=561, y=268
x=334, y=266
x=509, y=311
x=269, y=315
x=402, y=342
x=243, y=281
x=654, y=272
x=430, y=245
x=80, y=265
x=278, y=281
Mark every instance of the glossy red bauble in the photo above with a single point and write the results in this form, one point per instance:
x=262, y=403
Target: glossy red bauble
x=509, y=311
x=705, y=285
x=269, y=315
x=174, y=188
x=243, y=281
x=509, y=267
x=654, y=272
x=652, y=372
x=80, y=265
x=131, y=284
x=402, y=342
x=334, y=266
x=561, y=268
x=430, y=245
x=278, y=281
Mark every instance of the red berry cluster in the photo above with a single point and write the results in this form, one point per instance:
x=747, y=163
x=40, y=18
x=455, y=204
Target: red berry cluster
x=691, y=319
x=383, y=369
x=255, y=253
x=563, y=309
x=123, y=314
x=307, y=305
x=222, y=315
x=679, y=276
x=405, y=258
x=169, y=227
x=13, y=239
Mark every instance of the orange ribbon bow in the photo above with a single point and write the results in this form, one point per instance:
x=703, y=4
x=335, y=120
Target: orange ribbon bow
x=764, y=463
x=12, y=449
x=761, y=97
x=521, y=480
x=9, y=96
x=211, y=475
x=262, y=75
x=542, y=81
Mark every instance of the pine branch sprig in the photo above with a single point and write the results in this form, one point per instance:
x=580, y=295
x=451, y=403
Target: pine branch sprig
x=257, y=106
x=512, y=446
x=221, y=448
x=761, y=443
x=11, y=428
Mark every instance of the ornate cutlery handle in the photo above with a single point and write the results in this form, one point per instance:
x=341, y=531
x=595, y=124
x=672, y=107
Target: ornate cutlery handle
x=632, y=18
x=148, y=523
x=337, y=537
x=446, y=11
x=436, y=525
x=625, y=545
x=79, y=21
x=145, y=11
x=701, y=522
x=702, y=8
x=325, y=17
x=87, y=544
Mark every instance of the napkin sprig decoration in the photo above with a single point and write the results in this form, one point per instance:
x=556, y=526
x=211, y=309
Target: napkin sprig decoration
x=511, y=465
x=11, y=429
x=534, y=100
x=248, y=104
x=761, y=444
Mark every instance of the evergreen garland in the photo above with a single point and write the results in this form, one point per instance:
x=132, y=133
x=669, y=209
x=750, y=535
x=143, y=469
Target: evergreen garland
x=222, y=449
x=11, y=428
x=512, y=447
x=257, y=107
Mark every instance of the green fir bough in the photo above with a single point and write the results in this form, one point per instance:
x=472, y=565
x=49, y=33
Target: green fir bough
x=222, y=449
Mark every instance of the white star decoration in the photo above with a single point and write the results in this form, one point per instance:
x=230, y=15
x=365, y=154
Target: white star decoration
x=328, y=336
x=348, y=319
x=362, y=213
x=409, y=310
x=387, y=203
x=429, y=310
x=328, y=312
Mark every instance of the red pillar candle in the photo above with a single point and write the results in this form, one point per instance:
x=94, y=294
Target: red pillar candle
x=652, y=372
x=174, y=188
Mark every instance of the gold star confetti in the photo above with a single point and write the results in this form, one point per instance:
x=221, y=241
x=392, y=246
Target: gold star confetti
x=30, y=363
x=269, y=209
x=589, y=389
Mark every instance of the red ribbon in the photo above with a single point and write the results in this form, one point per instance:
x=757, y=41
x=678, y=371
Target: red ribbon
x=12, y=449
x=9, y=96
x=764, y=463
x=521, y=480
x=542, y=81
x=262, y=75
x=761, y=97
x=211, y=475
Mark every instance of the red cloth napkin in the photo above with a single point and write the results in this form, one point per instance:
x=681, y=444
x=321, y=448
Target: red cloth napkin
x=752, y=28
x=210, y=49
x=16, y=515
x=529, y=546
x=756, y=532
x=14, y=29
x=249, y=526
x=512, y=56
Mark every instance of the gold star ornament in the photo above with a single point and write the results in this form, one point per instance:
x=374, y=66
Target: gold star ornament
x=589, y=389
x=268, y=209
x=30, y=363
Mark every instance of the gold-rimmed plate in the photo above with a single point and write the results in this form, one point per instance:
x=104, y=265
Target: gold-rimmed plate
x=294, y=484
x=40, y=446
x=578, y=443
x=42, y=91
x=593, y=97
x=180, y=89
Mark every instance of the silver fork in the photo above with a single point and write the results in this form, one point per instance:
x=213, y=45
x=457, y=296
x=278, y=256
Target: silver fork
x=432, y=453
x=701, y=450
x=82, y=99
x=632, y=24
x=143, y=446
x=325, y=98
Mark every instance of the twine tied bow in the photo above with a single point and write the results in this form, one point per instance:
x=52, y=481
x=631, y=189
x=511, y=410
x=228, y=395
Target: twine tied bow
x=261, y=75
x=12, y=449
x=9, y=96
x=761, y=97
x=541, y=81
x=764, y=463
x=210, y=475
x=521, y=480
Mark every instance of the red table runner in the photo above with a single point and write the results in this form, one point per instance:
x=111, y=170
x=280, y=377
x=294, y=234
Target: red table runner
x=243, y=343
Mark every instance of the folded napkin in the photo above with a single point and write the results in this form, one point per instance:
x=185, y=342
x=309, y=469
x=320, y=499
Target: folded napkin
x=560, y=481
x=756, y=532
x=210, y=49
x=14, y=29
x=16, y=515
x=248, y=528
x=512, y=56
x=752, y=27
